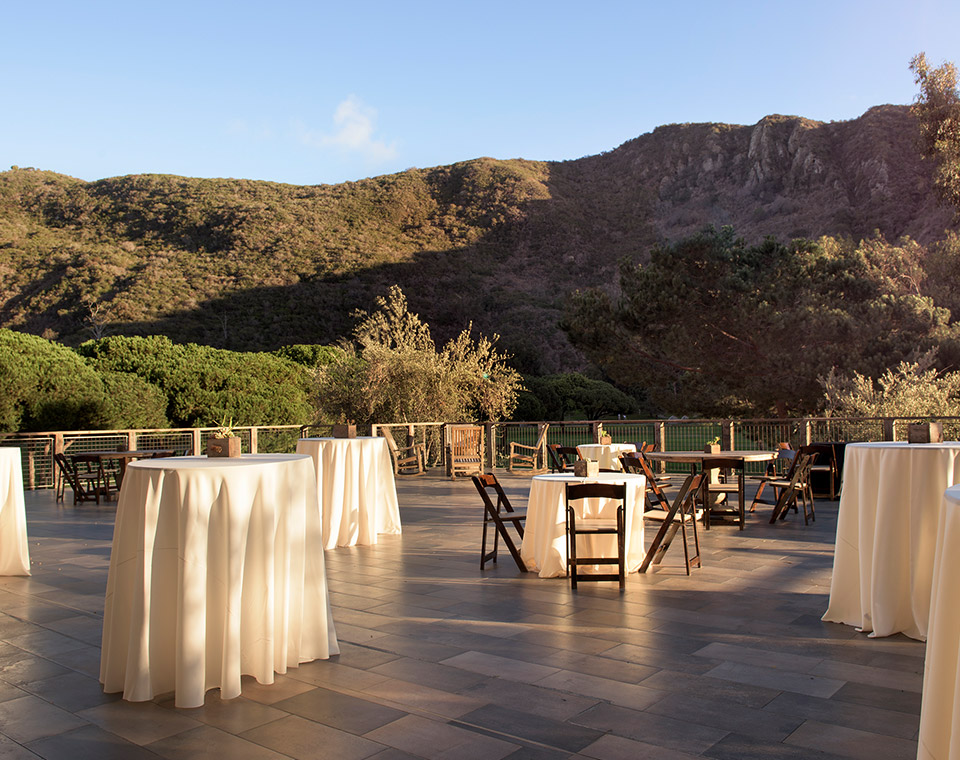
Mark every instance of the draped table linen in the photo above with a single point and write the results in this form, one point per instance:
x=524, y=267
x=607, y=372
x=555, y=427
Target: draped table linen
x=544, y=547
x=890, y=508
x=607, y=454
x=356, y=487
x=940, y=707
x=216, y=571
x=14, y=552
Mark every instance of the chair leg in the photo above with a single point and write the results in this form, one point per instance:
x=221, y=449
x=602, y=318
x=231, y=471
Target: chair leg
x=621, y=546
x=740, y=499
x=571, y=548
x=695, y=561
x=686, y=549
x=483, y=545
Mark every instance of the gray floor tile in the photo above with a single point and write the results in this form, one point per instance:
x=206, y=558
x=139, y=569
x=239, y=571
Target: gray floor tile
x=850, y=742
x=553, y=733
x=209, y=743
x=302, y=738
x=737, y=747
x=341, y=711
x=874, y=719
x=28, y=718
x=671, y=733
x=440, y=741
x=87, y=743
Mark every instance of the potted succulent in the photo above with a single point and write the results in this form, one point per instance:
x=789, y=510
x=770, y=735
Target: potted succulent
x=602, y=437
x=712, y=447
x=224, y=442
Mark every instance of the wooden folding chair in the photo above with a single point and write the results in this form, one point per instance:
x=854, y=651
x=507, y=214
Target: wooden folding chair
x=580, y=526
x=500, y=515
x=637, y=463
x=84, y=473
x=797, y=487
x=726, y=486
x=682, y=513
x=559, y=458
x=777, y=470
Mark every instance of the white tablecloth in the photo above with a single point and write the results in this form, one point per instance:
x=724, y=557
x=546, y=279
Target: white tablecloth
x=940, y=708
x=14, y=554
x=358, y=495
x=887, y=534
x=607, y=454
x=544, y=547
x=216, y=571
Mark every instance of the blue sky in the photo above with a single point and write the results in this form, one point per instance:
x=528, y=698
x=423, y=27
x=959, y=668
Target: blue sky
x=317, y=92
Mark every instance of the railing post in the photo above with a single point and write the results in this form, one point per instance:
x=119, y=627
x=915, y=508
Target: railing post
x=595, y=430
x=807, y=431
x=889, y=429
x=491, y=433
x=726, y=435
x=254, y=441
x=197, y=442
x=541, y=428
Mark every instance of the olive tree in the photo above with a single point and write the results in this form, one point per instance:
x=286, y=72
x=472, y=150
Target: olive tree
x=911, y=389
x=392, y=371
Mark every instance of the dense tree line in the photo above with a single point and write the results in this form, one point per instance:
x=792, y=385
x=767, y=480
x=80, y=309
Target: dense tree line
x=715, y=326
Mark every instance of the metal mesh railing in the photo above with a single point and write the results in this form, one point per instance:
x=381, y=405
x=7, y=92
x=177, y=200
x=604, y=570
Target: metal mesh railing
x=37, y=449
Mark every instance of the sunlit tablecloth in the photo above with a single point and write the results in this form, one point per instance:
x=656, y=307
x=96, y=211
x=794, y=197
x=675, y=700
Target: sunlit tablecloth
x=358, y=494
x=14, y=553
x=887, y=534
x=607, y=454
x=544, y=547
x=216, y=571
x=940, y=708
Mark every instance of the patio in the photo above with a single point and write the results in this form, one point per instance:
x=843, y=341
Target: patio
x=441, y=660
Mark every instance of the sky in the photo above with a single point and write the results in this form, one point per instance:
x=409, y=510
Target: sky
x=326, y=92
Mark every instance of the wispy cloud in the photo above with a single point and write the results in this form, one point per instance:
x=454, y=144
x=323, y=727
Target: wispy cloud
x=354, y=123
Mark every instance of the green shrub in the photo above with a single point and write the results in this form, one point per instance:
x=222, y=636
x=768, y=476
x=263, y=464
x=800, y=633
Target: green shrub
x=309, y=354
x=131, y=402
x=205, y=385
x=571, y=395
x=45, y=386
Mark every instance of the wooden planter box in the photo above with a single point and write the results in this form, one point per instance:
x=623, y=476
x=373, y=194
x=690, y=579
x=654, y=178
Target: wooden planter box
x=605, y=440
x=344, y=431
x=223, y=447
x=711, y=448
x=586, y=468
x=925, y=432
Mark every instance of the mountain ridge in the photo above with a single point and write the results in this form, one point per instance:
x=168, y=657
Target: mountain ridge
x=254, y=265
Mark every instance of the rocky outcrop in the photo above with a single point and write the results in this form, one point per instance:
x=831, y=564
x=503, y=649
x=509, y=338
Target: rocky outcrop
x=785, y=176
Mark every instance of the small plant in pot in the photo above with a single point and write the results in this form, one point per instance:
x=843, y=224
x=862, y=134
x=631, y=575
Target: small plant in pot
x=602, y=436
x=713, y=447
x=224, y=442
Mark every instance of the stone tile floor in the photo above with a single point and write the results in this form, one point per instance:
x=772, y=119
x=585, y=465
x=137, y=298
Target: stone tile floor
x=440, y=660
